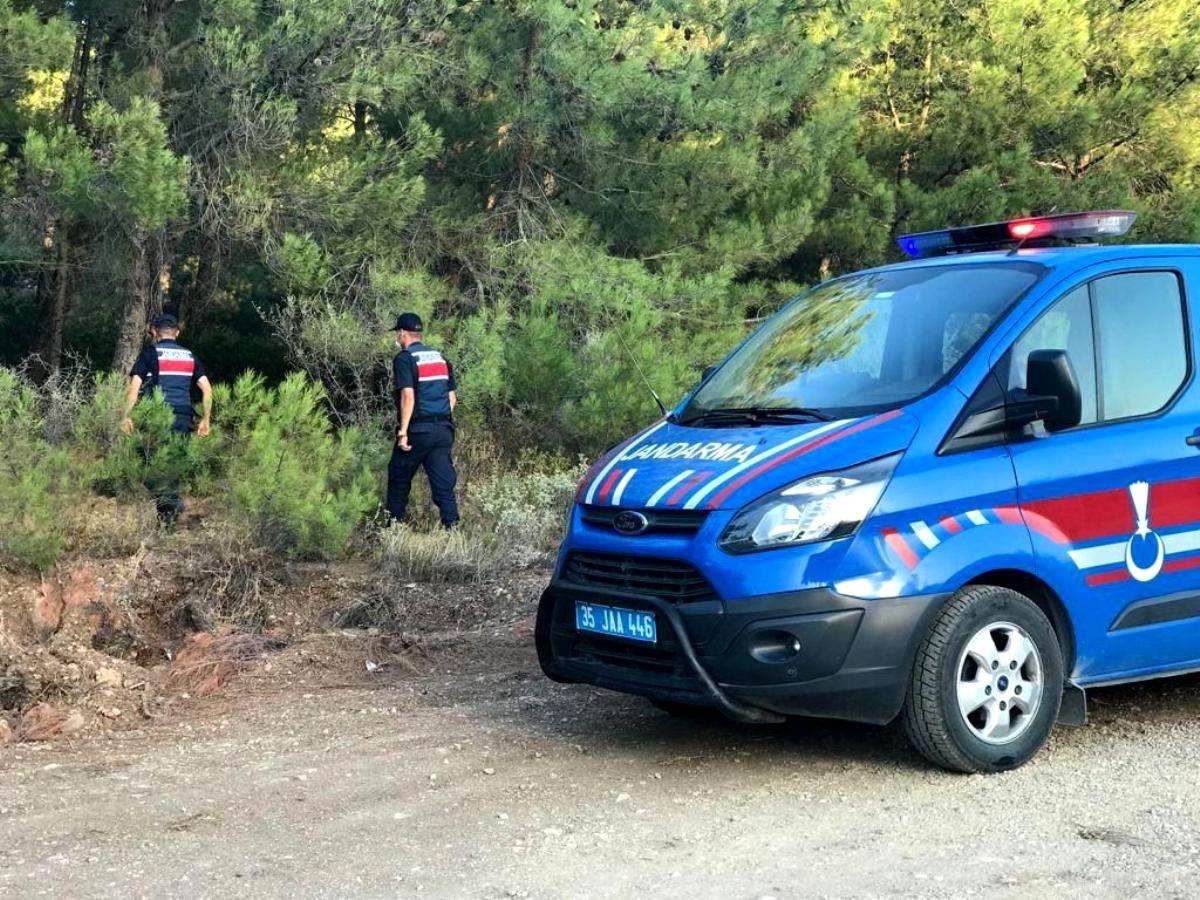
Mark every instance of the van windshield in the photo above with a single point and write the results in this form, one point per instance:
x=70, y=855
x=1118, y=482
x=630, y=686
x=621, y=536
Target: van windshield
x=864, y=343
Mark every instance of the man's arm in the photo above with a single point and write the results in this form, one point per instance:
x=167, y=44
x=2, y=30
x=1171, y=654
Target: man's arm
x=408, y=402
x=131, y=398
x=453, y=400
x=205, y=425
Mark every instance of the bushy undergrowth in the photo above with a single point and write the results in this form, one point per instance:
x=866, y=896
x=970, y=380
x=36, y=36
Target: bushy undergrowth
x=275, y=467
x=273, y=461
x=303, y=488
x=527, y=505
x=513, y=518
x=462, y=555
x=35, y=478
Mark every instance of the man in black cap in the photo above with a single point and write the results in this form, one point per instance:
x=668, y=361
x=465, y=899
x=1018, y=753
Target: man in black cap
x=177, y=372
x=426, y=395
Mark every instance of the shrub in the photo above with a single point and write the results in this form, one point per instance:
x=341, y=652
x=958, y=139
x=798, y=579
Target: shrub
x=513, y=519
x=302, y=488
x=35, y=479
x=152, y=460
x=527, y=506
x=95, y=427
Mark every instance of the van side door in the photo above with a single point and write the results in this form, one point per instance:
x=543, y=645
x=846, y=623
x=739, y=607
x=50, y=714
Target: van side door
x=1113, y=504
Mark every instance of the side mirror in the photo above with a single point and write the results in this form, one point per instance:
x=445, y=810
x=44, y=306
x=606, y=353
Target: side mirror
x=1051, y=392
x=1051, y=397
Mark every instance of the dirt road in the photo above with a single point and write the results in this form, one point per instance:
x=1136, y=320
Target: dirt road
x=477, y=778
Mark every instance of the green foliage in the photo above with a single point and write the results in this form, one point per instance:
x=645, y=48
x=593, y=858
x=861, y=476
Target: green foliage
x=1003, y=107
x=580, y=197
x=35, y=480
x=302, y=488
x=140, y=179
x=151, y=461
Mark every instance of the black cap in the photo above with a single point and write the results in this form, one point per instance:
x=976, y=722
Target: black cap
x=408, y=322
x=164, y=322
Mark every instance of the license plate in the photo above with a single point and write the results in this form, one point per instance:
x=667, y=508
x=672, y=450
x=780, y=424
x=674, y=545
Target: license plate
x=613, y=621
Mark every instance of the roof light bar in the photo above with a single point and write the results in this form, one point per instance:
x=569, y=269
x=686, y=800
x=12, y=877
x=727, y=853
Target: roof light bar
x=1067, y=228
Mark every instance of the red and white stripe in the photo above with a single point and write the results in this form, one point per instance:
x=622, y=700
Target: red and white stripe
x=621, y=485
x=741, y=475
x=1087, y=519
x=604, y=476
x=670, y=485
x=431, y=366
x=174, y=361
x=1093, y=528
x=698, y=497
x=927, y=536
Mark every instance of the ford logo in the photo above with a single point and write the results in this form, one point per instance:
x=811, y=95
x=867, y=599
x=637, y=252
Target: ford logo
x=629, y=522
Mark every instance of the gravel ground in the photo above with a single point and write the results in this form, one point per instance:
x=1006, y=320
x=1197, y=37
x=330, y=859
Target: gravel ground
x=478, y=778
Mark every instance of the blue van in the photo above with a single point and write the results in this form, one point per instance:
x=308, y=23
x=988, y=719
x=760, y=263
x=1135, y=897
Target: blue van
x=957, y=491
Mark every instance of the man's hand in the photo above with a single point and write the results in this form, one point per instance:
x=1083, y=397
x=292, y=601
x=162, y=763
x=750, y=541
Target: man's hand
x=127, y=425
x=203, y=429
x=402, y=441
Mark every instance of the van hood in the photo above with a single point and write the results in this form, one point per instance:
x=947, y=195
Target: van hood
x=673, y=466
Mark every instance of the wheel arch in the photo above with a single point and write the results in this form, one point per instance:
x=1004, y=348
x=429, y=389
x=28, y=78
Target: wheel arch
x=1047, y=600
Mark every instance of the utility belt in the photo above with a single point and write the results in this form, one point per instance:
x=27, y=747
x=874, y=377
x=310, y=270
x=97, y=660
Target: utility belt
x=431, y=420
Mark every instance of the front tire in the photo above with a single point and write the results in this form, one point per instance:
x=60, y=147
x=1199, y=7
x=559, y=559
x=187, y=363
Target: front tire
x=986, y=683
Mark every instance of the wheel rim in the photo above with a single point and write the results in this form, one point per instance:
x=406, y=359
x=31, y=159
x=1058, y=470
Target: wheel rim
x=999, y=682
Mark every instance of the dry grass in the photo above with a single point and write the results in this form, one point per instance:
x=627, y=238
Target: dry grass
x=459, y=556
x=106, y=528
x=232, y=581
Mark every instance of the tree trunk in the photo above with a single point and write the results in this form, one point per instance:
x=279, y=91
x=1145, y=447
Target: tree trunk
x=56, y=304
x=196, y=300
x=56, y=283
x=77, y=93
x=148, y=269
x=360, y=119
x=139, y=302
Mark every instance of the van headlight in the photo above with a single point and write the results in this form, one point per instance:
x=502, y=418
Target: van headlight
x=819, y=508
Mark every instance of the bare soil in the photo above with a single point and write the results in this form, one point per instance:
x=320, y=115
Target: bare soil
x=453, y=769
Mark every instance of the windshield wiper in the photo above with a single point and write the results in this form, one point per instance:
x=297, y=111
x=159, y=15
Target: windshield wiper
x=755, y=414
x=794, y=412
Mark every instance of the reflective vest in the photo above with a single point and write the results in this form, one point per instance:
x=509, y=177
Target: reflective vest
x=433, y=383
x=176, y=366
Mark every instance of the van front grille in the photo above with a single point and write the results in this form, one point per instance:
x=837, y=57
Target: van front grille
x=669, y=579
x=658, y=521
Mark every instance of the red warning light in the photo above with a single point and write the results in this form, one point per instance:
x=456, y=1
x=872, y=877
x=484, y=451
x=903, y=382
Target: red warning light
x=1023, y=230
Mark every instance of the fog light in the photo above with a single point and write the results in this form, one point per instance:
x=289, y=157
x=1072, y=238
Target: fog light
x=774, y=646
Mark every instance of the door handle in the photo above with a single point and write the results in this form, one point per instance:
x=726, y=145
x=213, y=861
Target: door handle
x=1193, y=439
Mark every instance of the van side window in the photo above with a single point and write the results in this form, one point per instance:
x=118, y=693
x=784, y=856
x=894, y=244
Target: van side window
x=1141, y=341
x=1067, y=325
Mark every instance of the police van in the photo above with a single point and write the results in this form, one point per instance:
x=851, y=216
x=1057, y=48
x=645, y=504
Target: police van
x=957, y=491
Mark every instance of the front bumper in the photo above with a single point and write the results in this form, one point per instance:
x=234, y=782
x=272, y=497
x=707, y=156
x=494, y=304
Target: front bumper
x=853, y=658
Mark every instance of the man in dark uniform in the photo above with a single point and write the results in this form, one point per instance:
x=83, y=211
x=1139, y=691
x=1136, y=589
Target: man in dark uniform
x=177, y=372
x=426, y=395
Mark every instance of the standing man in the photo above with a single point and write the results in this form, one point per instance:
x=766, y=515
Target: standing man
x=178, y=372
x=426, y=395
